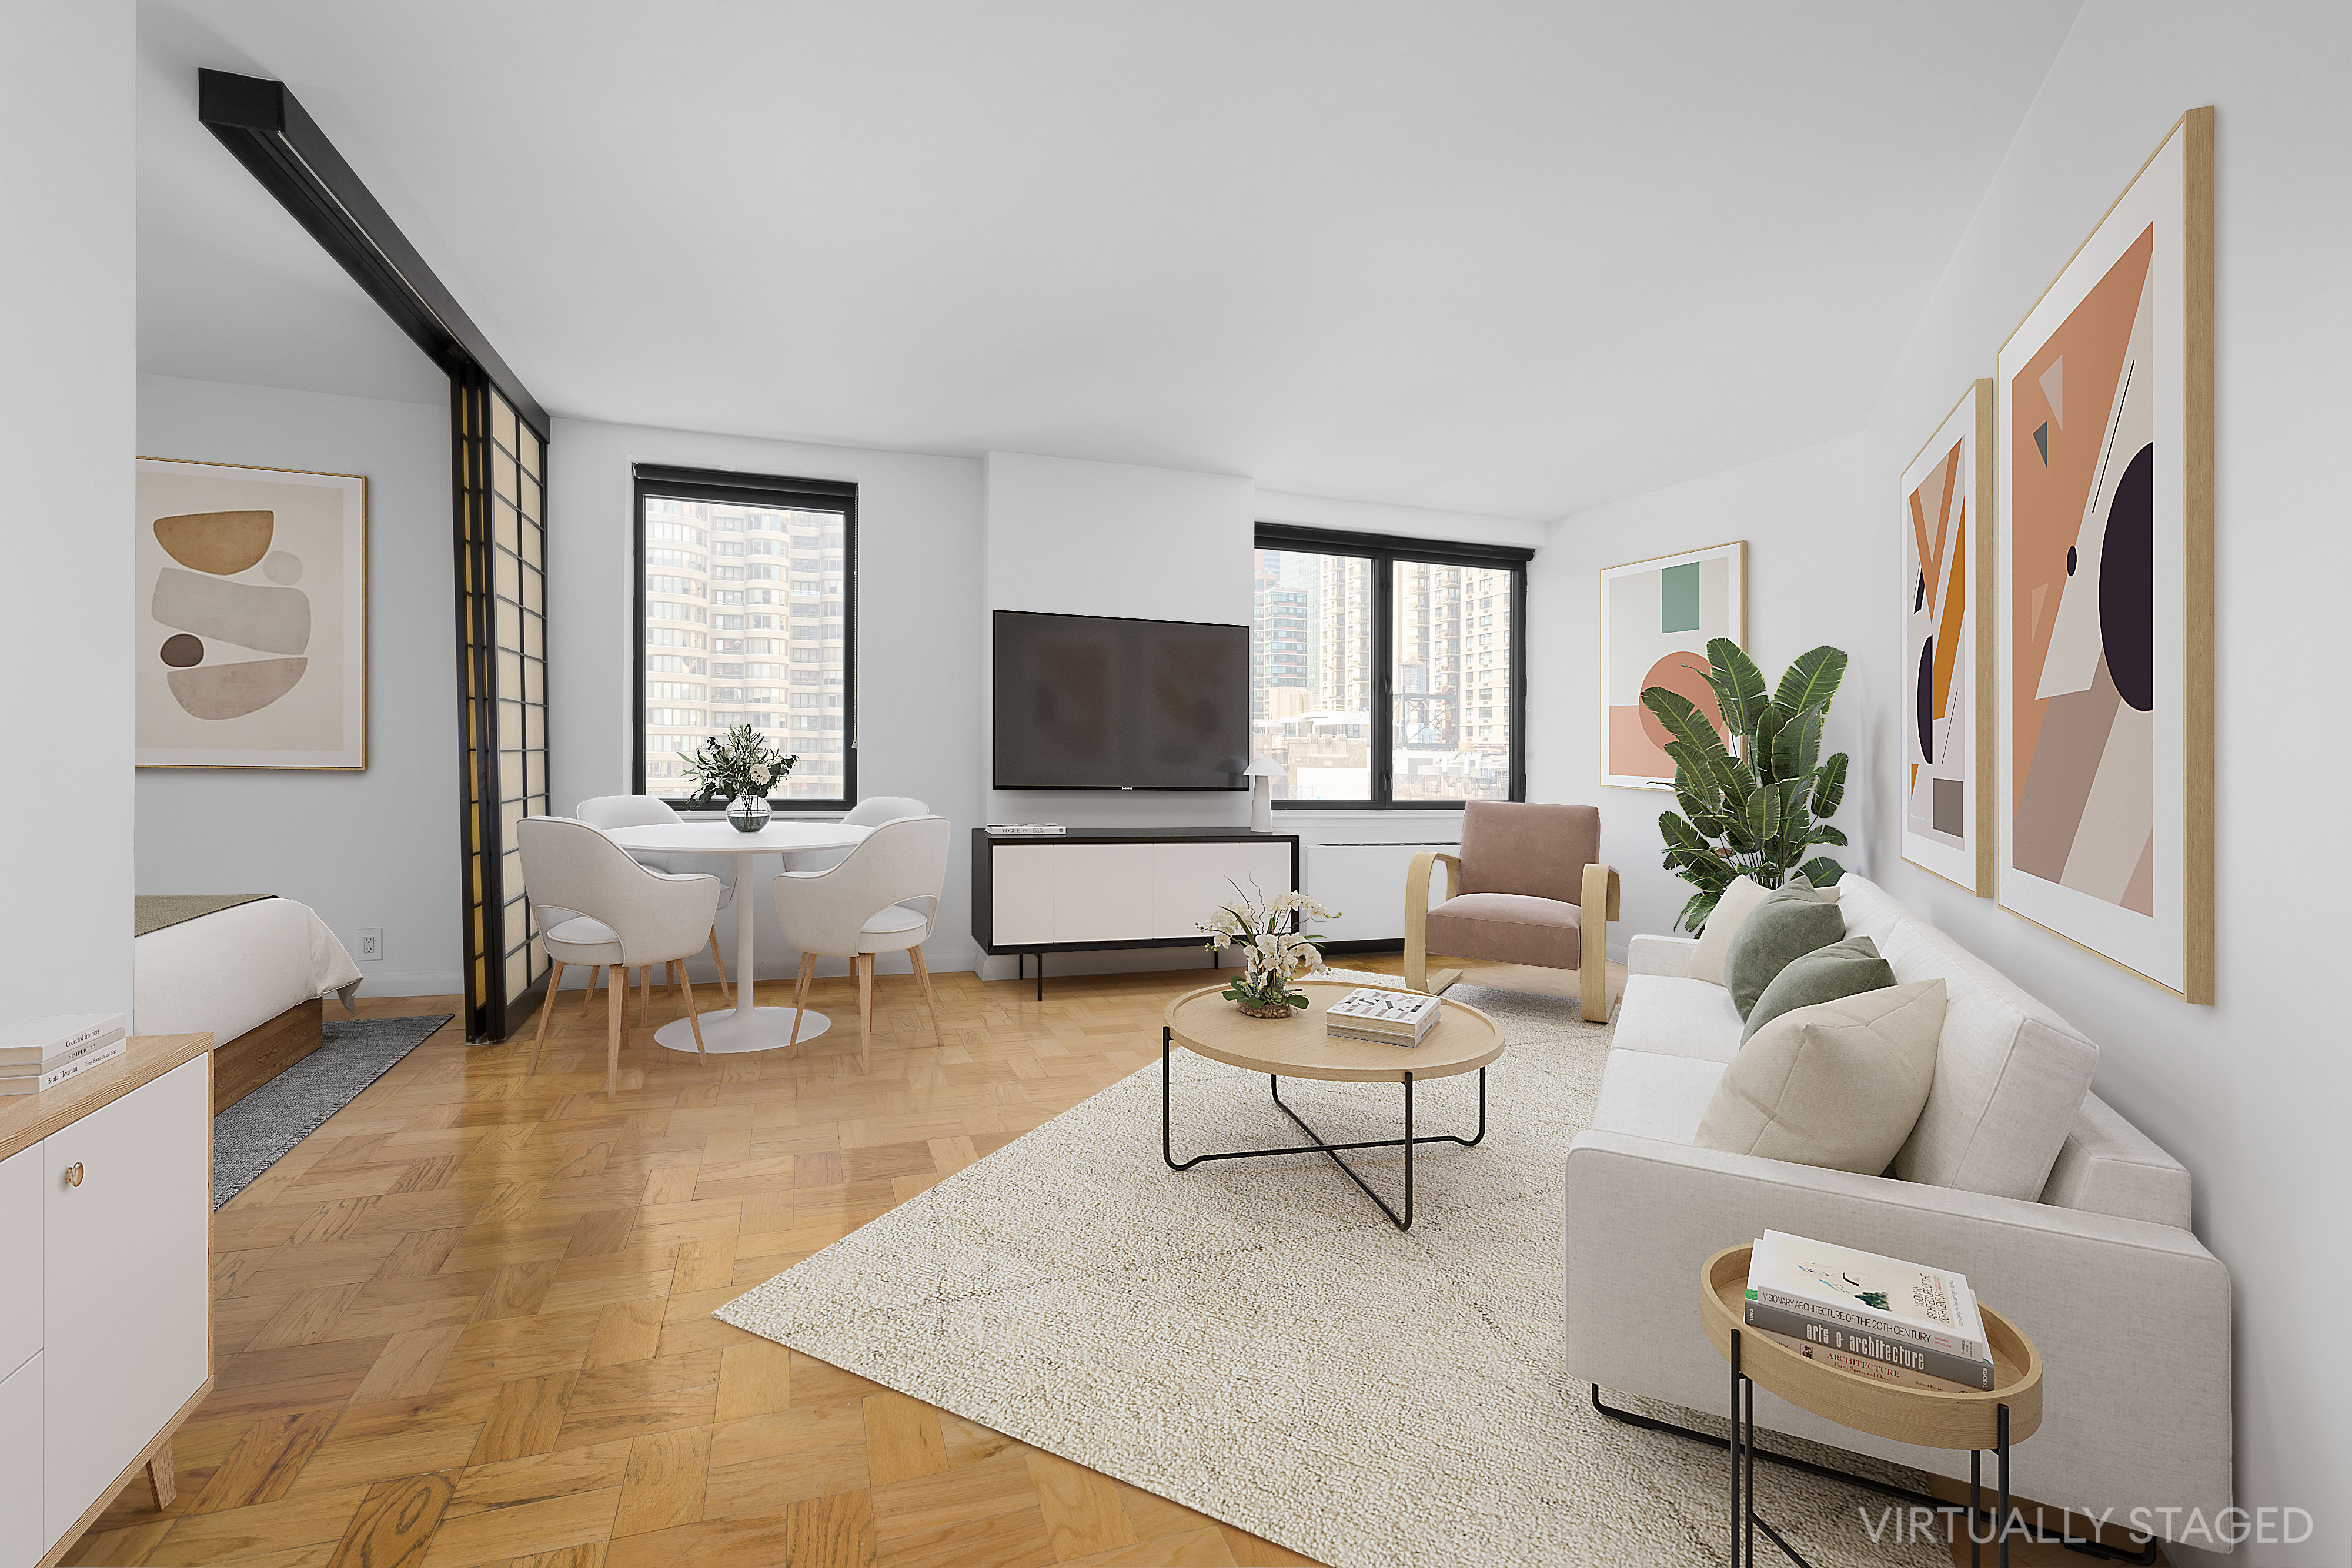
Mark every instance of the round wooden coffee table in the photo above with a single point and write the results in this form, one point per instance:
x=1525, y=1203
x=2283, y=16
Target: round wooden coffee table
x=1464, y=1039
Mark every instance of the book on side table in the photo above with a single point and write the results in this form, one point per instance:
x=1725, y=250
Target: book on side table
x=1400, y=1018
x=1918, y=1326
x=39, y=1053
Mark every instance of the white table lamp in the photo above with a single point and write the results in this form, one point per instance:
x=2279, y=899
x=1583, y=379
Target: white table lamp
x=1261, y=773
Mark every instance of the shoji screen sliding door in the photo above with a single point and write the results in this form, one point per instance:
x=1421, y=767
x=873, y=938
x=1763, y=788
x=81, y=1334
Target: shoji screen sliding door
x=501, y=539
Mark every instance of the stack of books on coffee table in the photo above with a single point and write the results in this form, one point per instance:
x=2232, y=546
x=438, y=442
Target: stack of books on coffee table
x=37, y=1054
x=1400, y=1018
x=1902, y=1323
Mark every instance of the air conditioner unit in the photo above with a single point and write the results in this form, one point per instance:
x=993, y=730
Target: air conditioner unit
x=1364, y=880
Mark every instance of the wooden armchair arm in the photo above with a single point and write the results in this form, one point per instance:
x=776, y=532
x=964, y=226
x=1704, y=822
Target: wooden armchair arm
x=1602, y=897
x=1601, y=886
x=1416, y=911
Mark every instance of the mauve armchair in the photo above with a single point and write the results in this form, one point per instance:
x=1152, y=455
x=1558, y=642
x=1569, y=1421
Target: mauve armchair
x=1525, y=889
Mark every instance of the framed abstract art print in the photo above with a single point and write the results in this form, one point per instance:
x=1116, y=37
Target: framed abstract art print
x=2106, y=583
x=1656, y=619
x=1946, y=529
x=252, y=617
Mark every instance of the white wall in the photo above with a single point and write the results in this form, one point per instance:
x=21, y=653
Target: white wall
x=376, y=847
x=65, y=444
x=918, y=609
x=1111, y=538
x=1806, y=586
x=2249, y=1093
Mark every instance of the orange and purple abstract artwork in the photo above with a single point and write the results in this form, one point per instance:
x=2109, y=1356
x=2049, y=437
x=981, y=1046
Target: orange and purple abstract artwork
x=2081, y=617
x=1937, y=736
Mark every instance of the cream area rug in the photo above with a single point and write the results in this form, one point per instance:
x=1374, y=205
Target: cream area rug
x=1251, y=1339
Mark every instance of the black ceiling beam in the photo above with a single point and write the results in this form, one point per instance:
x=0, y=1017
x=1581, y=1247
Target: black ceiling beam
x=270, y=134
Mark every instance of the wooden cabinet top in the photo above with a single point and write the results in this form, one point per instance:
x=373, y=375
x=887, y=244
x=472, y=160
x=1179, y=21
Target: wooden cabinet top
x=27, y=1119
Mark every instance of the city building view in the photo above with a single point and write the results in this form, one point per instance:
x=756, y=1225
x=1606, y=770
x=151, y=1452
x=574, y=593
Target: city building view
x=745, y=623
x=1312, y=689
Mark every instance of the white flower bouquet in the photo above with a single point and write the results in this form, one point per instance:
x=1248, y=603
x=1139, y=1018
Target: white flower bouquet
x=1274, y=951
x=739, y=763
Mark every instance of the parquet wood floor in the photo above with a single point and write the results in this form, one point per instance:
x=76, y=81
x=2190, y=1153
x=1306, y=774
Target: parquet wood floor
x=467, y=1322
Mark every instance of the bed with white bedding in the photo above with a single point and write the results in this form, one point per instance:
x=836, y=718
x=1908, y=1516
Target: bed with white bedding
x=248, y=970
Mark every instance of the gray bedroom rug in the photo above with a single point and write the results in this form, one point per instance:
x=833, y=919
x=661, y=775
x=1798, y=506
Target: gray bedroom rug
x=1253, y=1340
x=261, y=1129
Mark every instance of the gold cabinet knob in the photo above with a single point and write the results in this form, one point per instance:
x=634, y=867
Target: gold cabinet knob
x=73, y=1174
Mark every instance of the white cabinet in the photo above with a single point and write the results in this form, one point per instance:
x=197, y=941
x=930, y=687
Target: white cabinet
x=20, y=1261
x=106, y=1193
x=1023, y=893
x=1131, y=889
x=20, y=1462
x=123, y=1251
x=1191, y=881
x=1102, y=893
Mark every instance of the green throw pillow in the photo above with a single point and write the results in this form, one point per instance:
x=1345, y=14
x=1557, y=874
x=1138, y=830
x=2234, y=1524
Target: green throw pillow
x=1789, y=924
x=1844, y=968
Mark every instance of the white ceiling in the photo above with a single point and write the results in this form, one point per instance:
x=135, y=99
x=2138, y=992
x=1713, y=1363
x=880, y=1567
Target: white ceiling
x=1511, y=258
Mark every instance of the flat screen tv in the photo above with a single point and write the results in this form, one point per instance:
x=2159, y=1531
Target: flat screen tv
x=1089, y=701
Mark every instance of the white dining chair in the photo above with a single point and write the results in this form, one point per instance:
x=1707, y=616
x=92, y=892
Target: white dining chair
x=646, y=812
x=875, y=810
x=870, y=812
x=882, y=897
x=596, y=907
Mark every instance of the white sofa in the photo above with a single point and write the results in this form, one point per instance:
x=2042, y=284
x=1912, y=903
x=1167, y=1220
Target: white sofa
x=2059, y=1211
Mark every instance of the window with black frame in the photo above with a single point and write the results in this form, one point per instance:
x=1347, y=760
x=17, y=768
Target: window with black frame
x=747, y=614
x=1388, y=671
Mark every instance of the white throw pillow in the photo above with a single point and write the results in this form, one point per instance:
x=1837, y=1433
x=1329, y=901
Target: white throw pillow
x=1723, y=923
x=1839, y=1085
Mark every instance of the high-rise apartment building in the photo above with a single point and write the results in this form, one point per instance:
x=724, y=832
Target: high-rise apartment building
x=1449, y=677
x=745, y=623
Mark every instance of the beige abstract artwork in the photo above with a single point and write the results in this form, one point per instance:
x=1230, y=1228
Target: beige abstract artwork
x=252, y=595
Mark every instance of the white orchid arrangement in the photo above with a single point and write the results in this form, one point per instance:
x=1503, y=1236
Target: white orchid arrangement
x=737, y=763
x=1275, y=951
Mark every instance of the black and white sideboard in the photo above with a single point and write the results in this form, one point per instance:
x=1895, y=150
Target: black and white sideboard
x=1099, y=888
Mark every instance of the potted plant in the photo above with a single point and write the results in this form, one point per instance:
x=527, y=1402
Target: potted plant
x=1752, y=803
x=736, y=769
x=1275, y=951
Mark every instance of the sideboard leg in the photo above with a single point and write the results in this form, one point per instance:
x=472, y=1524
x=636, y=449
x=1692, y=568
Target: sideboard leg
x=159, y=1476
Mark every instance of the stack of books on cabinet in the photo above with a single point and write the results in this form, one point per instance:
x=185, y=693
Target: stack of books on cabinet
x=1880, y=1318
x=37, y=1054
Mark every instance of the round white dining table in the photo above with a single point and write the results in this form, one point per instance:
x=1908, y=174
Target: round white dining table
x=740, y=1027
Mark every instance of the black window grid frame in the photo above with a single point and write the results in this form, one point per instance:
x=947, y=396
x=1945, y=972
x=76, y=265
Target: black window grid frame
x=1385, y=552
x=727, y=488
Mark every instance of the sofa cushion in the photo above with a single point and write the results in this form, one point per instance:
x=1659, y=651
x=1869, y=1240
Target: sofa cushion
x=1647, y=1096
x=2010, y=1075
x=1789, y=923
x=1723, y=923
x=1841, y=969
x=1667, y=1015
x=1508, y=929
x=1839, y=1084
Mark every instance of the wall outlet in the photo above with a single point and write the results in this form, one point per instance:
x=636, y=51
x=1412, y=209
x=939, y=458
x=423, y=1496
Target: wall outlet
x=370, y=944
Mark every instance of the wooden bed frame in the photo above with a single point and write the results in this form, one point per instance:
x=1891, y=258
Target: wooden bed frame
x=265, y=1051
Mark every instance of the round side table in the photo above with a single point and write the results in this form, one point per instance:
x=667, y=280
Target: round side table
x=2009, y=1411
